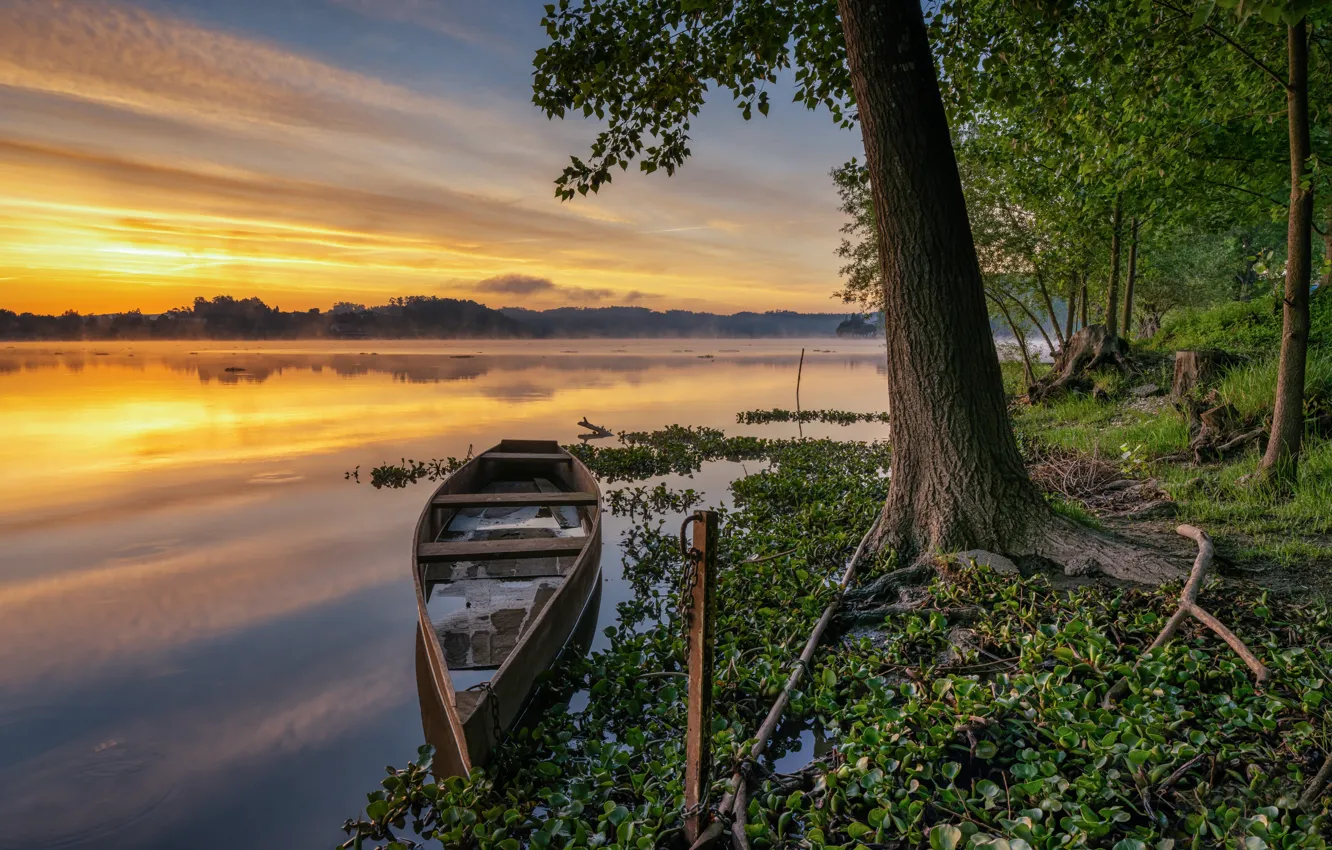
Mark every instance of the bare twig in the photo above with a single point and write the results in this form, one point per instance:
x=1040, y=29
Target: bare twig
x=1188, y=606
x=1179, y=772
x=1315, y=789
x=740, y=841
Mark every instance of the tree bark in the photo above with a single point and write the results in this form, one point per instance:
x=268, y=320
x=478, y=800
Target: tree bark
x=957, y=479
x=1327, y=254
x=1112, y=293
x=1280, y=466
x=1070, y=306
x=1130, y=279
x=1083, y=318
x=1050, y=310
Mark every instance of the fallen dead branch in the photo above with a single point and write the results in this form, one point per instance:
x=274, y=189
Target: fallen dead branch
x=1188, y=606
x=597, y=430
x=1315, y=787
x=735, y=798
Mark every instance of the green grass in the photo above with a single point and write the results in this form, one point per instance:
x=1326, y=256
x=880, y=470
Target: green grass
x=1084, y=424
x=1251, y=524
x=1246, y=326
x=1250, y=388
x=1216, y=495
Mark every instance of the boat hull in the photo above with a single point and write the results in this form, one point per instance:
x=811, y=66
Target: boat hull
x=464, y=726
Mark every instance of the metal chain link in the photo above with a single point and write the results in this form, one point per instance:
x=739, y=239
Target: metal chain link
x=493, y=702
x=688, y=581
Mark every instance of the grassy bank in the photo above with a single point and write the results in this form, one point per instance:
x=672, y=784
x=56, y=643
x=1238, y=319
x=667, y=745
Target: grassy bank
x=1145, y=435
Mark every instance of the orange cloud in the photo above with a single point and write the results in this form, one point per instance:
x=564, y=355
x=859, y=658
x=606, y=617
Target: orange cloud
x=152, y=159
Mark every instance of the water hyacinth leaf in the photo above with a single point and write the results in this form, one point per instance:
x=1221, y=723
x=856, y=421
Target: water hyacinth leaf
x=988, y=789
x=945, y=837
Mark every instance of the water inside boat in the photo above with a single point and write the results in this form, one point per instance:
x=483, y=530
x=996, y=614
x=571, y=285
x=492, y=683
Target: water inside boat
x=481, y=609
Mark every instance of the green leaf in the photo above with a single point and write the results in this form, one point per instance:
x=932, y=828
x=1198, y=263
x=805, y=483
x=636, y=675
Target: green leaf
x=945, y=837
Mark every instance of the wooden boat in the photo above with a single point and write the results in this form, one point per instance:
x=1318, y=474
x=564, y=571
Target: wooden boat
x=507, y=554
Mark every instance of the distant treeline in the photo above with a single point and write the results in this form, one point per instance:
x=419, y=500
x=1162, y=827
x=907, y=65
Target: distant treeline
x=412, y=317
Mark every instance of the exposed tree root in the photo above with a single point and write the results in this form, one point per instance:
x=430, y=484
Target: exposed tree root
x=1083, y=551
x=1188, y=606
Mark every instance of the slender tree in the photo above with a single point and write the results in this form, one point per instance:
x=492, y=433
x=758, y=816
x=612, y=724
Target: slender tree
x=1280, y=461
x=1112, y=288
x=1131, y=279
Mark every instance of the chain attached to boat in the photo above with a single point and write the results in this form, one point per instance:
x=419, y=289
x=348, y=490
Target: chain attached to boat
x=493, y=702
x=688, y=580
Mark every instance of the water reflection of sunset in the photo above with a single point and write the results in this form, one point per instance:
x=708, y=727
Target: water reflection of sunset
x=73, y=421
x=183, y=534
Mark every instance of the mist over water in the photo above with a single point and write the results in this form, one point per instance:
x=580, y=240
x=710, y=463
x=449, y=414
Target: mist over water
x=206, y=633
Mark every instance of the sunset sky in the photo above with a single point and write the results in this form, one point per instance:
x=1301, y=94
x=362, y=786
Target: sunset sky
x=310, y=151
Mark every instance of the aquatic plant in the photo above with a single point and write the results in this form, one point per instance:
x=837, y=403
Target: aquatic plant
x=971, y=718
x=830, y=417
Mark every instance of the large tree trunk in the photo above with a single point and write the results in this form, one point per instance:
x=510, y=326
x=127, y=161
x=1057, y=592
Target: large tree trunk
x=1112, y=291
x=1280, y=464
x=1130, y=279
x=957, y=479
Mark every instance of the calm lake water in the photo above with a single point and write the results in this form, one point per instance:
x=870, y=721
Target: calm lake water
x=206, y=633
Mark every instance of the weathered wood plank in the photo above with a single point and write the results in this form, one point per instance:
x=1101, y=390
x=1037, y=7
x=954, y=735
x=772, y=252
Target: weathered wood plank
x=700, y=641
x=490, y=550
x=530, y=457
x=513, y=500
x=525, y=568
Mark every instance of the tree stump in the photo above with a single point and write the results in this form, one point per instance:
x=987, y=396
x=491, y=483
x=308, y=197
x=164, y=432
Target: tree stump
x=1194, y=368
x=1088, y=349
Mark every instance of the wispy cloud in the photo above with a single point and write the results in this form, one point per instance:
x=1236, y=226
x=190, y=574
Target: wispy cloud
x=544, y=290
x=148, y=153
x=435, y=15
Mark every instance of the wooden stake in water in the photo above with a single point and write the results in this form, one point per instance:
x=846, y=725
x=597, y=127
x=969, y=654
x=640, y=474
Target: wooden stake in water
x=702, y=559
x=800, y=370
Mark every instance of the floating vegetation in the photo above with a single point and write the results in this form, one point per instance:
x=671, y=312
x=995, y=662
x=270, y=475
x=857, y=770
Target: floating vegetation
x=640, y=502
x=969, y=716
x=399, y=475
x=830, y=417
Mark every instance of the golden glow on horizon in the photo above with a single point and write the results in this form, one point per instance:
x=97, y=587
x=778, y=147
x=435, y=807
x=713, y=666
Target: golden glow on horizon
x=149, y=160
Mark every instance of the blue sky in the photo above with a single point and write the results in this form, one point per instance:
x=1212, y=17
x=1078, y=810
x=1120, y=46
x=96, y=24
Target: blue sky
x=309, y=151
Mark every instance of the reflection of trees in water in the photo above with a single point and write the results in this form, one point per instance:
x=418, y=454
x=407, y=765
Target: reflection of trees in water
x=245, y=367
